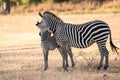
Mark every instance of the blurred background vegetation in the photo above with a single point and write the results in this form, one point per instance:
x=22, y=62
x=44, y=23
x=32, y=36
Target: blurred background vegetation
x=72, y=6
x=51, y=1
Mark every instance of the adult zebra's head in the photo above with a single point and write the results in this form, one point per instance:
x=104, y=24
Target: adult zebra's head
x=50, y=21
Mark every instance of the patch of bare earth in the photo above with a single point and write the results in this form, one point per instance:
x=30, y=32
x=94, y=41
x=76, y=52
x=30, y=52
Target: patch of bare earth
x=21, y=56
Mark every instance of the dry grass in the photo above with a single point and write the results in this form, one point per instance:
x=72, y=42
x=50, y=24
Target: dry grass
x=22, y=59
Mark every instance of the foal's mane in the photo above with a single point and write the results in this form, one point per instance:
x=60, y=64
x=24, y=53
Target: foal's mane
x=53, y=15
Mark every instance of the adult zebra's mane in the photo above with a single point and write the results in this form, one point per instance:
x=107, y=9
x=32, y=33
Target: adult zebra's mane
x=53, y=15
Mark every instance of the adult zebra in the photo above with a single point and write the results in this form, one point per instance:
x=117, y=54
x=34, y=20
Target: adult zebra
x=80, y=36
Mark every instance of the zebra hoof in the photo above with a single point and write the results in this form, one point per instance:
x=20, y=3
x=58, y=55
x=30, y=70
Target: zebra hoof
x=99, y=68
x=67, y=65
x=65, y=69
x=105, y=67
x=45, y=68
x=73, y=64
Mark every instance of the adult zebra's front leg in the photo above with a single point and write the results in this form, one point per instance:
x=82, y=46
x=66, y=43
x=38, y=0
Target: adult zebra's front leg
x=64, y=56
x=61, y=52
x=71, y=55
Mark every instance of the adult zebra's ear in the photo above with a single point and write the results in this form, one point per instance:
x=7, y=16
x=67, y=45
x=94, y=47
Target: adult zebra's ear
x=40, y=14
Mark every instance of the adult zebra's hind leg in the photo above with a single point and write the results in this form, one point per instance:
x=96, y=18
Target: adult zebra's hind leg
x=101, y=62
x=106, y=58
x=104, y=53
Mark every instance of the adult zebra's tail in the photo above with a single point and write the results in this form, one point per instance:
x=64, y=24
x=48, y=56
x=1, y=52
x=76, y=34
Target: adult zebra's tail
x=113, y=47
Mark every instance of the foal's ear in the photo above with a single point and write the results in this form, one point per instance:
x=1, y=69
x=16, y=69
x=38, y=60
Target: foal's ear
x=37, y=23
x=40, y=14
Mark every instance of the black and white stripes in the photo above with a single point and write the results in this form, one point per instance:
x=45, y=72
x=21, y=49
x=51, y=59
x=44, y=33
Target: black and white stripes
x=80, y=36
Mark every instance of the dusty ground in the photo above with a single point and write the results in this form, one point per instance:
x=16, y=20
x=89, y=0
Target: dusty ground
x=21, y=56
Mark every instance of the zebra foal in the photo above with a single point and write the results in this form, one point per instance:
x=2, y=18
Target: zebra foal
x=48, y=43
x=80, y=36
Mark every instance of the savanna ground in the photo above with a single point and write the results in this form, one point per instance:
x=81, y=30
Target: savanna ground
x=21, y=56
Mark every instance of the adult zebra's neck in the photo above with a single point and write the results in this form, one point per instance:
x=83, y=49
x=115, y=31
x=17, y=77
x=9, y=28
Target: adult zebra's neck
x=52, y=21
x=53, y=26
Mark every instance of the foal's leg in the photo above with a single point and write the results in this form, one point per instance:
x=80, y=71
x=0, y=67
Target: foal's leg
x=67, y=65
x=45, y=53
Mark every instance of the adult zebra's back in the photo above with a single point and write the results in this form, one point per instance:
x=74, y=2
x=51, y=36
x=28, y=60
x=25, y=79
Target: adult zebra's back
x=80, y=36
x=84, y=35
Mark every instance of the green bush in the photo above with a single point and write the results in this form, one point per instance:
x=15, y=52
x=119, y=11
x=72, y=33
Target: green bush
x=34, y=1
x=24, y=1
x=0, y=1
x=30, y=1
